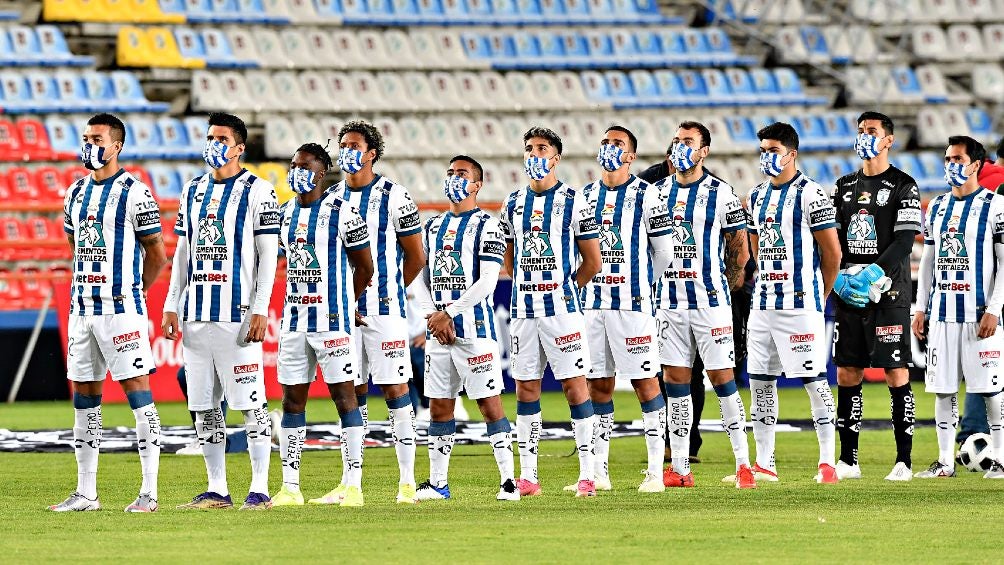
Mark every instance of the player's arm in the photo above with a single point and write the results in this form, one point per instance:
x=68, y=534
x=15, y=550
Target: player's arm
x=507, y=260
x=154, y=258
x=908, y=218
x=591, y=263
x=361, y=261
x=266, y=243
x=988, y=322
x=414, y=256
x=925, y=278
x=829, y=256
x=736, y=256
x=169, y=324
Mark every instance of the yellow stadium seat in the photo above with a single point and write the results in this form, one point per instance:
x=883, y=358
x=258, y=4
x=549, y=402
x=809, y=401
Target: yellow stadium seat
x=275, y=173
x=74, y=10
x=132, y=48
x=139, y=11
x=148, y=11
x=164, y=51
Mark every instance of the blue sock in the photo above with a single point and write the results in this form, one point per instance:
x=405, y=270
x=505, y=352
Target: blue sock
x=527, y=408
x=139, y=398
x=294, y=420
x=85, y=402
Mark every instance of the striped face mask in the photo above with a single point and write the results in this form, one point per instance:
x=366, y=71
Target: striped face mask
x=93, y=156
x=866, y=146
x=955, y=174
x=770, y=163
x=536, y=168
x=456, y=189
x=610, y=157
x=682, y=157
x=350, y=161
x=215, y=153
x=301, y=181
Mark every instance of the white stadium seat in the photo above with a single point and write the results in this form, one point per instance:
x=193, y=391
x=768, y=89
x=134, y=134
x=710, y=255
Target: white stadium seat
x=420, y=91
x=393, y=90
x=929, y=42
x=371, y=43
x=490, y=134
x=414, y=138
x=271, y=51
x=330, y=125
x=347, y=46
x=262, y=92
x=291, y=95
x=366, y=93
x=242, y=44
x=988, y=82
x=524, y=96
x=993, y=40
x=322, y=49
x=207, y=93
x=441, y=131
x=572, y=137
x=392, y=135
x=281, y=138
x=444, y=88
x=966, y=41
x=402, y=53
x=931, y=130
x=299, y=52
x=411, y=176
x=471, y=93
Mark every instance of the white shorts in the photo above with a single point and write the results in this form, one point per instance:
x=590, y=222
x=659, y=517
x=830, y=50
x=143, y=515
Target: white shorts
x=220, y=364
x=954, y=352
x=300, y=353
x=559, y=340
x=621, y=344
x=683, y=333
x=384, y=353
x=469, y=364
x=792, y=342
x=116, y=343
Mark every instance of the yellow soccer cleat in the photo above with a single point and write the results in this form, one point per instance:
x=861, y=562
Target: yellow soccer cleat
x=334, y=497
x=286, y=497
x=406, y=494
x=353, y=497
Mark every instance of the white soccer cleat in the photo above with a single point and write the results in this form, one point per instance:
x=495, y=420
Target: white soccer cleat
x=900, y=472
x=193, y=448
x=937, y=470
x=651, y=483
x=143, y=503
x=76, y=502
x=845, y=471
x=508, y=491
x=602, y=483
x=996, y=471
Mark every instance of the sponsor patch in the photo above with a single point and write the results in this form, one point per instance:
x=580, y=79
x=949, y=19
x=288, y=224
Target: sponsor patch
x=357, y=235
x=480, y=359
x=268, y=219
x=588, y=225
x=244, y=369
x=151, y=218
x=389, y=345
x=565, y=339
x=337, y=342
x=735, y=217
x=889, y=330
x=410, y=220
x=120, y=339
x=715, y=332
x=908, y=216
x=823, y=216
x=489, y=247
x=640, y=340
x=990, y=354
x=802, y=338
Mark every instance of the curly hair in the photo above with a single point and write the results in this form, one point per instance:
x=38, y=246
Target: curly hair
x=374, y=140
x=317, y=151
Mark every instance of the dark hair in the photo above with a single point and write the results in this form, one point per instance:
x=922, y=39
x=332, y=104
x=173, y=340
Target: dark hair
x=230, y=121
x=369, y=132
x=627, y=132
x=780, y=131
x=543, y=133
x=977, y=153
x=477, y=166
x=1000, y=149
x=317, y=151
x=886, y=120
x=114, y=124
x=705, y=134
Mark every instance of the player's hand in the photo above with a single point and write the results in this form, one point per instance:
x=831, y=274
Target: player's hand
x=988, y=326
x=442, y=328
x=359, y=320
x=169, y=325
x=850, y=291
x=256, y=329
x=918, y=325
x=418, y=341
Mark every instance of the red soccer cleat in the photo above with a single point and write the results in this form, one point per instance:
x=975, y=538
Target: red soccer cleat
x=671, y=478
x=527, y=488
x=744, y=477
x=827, y=475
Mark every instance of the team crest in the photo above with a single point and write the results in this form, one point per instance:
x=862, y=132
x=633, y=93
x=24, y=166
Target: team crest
x=301, y=253
x=882, y=198
x=537, y=243
x=447, y=263
x=610, y=236
x=91, y=233
x=211, y=227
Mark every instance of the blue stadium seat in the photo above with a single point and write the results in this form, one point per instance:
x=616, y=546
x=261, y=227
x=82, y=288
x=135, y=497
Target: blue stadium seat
x=504, y=12
x=552, y=12
x=906, y=84
x=601, y=48
x=15, y=94
x=909, y=164
x=355, y=12
x=815, y=43
x=526, y=53
x=174, y=137
x=621, y=90
x=128, y=92
x=671, y=90
x=7, y=56
x=649, y=48
x=552, y=50
x=647, y=11
x=501, y=47
x=403, y=12
x=218, y=52
x=811, y=133
x=212, y=11
x=475, y=46
x=330, y=10
x=980, y=124
x=721, y=49
x=698, y=51
x=814, y=168
x=166, y=181
x=625, y=49
x=430, y=12
x=456, y=12
x=595, y=87
x=838, y=131
x=838, y=167
x=695, y=89
x=646, y=89
x=933, y=165
x=576, y=50
x=74, y=92
x=54, y=48
x=577, y=12
x=742, y=131
x=254, y=12
x=725, y=10
x=146, y=142
x=674, y=48
x=529, y=12
x=789, y=87
x=62, y=135
x=44, y=88
x=480, y=11
x=718, y=87
x=741, y=85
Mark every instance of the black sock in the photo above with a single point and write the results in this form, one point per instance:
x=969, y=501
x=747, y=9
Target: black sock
x=849, y=408
x=902, y=421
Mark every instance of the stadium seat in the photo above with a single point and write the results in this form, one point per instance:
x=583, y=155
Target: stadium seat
x=176, y=143
x=988, y=82
x=299, y=52
x=671, y=90
x=413, y=136
x=154, y=47
x=35, y=144
x=935, y=89
x=280, y=138
x=240, y=92
x=49, y=181
x=128, y=94
x=46, y=45
x=400, y=51
x=350, y=53
x=966, y=41
x=218, y=53
x=490, y=134
x=907, y=88
x=270, y=48
x=21, y=184
x=373, y=45
x=789, y=88
x=73, y=173
x=929, y=42
x=993, y=39
x=287, y=91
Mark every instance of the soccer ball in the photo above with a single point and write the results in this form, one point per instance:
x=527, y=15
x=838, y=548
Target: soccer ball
x=975, y=453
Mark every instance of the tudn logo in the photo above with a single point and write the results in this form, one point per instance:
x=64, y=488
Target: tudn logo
x=244, y=369
x=337, y=342
x=565, y=339
x=803, y=338
x=480, y=359
x=389, y=345
x=120, y=339
x=640, y=340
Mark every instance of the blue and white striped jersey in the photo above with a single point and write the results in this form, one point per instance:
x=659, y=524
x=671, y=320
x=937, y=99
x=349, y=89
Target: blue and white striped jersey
x=624, y=215
x=319, y=293
x=219, y=220
x=543, y=229
x=962, y=233
x=698, y=215
x=455, y=247
x=389, y=213
x=784, y=218
x=106, y=219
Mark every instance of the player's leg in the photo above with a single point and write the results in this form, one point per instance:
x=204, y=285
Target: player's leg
x=764, y=367
x=601, y=383
x=442, y=385
x=851, y=352
x=653, y=417
x=296, y=368
x=889, y=331
x=526, y=367
x=942, y=378
x=137, y=390
x=677, y=349
x=823, y=418
x=980, y=365
x=500, y=436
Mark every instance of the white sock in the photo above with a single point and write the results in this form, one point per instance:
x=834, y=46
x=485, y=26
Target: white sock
x=500, y=436
x=528, y=438
x=824, y=418
x=441, y=436
x=654, y=423
x=212, y=432
x=364, y=411
x=259, y=430
x=763, y=412
x=402, y=421
x=86, y=444
x=734, y=422
x=946, y=420
x=995, y=417
x=680, y=413
x=582, y=428
x=602, y=428
x=352, y=455
x=291, y=437
x=148, y=441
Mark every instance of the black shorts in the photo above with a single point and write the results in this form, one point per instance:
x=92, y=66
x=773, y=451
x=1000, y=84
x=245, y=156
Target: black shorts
x=872, y=338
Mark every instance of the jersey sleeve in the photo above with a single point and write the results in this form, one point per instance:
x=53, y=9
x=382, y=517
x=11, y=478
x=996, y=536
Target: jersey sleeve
x=505, y=218
x=908, y=215
x=751, y=216
x=583, y=218
x=353, y=231
x=266, y=213
x=144, y=213
x=731, y=213
x=928, y=227
x=182, y=217
x=285, y=217
x=492, y=246
x=838, y=209
x=404, y=212
x=819, y=209
x=67, y=204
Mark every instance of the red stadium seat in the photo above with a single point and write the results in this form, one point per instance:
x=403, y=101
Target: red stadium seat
x=73, y=173
x=56, y=227
x=48, y=243
x=22, y=184
x=49, y=181
x=35, y=145
x=12, y=235
x=10, y=141
x=11, y=295
x=5, y=194
x=142, y=175
x=33, y=289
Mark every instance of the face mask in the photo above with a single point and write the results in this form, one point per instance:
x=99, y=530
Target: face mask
x=682, y=157
x=93, y=156
x=456, y=189
x=350, y=160
x=610, y=157
x=770, y=163
x=955, y=174
x=536, y=168
x=215, y=154
x=301, y=181
x=866, y=146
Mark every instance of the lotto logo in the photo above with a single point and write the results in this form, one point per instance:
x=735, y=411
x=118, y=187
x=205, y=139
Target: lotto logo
x=389, y=345
x=120, y=339
x=716, y=332
x=640, y=340
x=337, y=342
x=478, y=360
x=803, y=338
x=244, y=369
x=889, y=330
x=990, y=354
x=567, y=338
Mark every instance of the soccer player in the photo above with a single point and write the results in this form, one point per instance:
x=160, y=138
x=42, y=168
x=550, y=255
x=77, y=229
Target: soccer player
x=618, y=301
x=113, y=225
x=878, y=217
x=396, y=230
x=327, y=242
x=547, y=226
x=960, y=293
x=794, y=237
x=465, y=250
x=707, y=223
x=221, y=282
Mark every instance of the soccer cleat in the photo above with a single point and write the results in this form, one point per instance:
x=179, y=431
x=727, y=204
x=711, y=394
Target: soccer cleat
x=745, y=478
x=429, y=491
x=845, y=471
x=353, y=497
x=900, y=472
x=287, y=497
x=76, y=502
x=996, y=471
x=527, y=488
x=208, y=501
x=508, y=491
x=143, y=503
x=406, y=494
x=585, y=489
x=193, y=448
x=257, y=501
x=762, y=474
x=937, y=470
x=651, y=483
x=601, y=483
x=827, y=474
x=672, y=479
x=334, y=496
